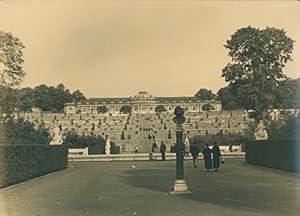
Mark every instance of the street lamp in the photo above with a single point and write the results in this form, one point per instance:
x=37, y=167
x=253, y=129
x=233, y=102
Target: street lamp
x=180, y=186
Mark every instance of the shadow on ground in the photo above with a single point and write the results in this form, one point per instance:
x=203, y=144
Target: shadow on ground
x=238, y=185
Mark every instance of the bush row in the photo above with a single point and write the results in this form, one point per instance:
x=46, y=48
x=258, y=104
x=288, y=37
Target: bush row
x=276, y=154
x=20, y=163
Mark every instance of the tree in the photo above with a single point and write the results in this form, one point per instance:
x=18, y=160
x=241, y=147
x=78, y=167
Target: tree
x=288, y=95
x=227, y=98
x=208, y=107
x=102, y=109
x=126, y=109
x=19, y=131
x=8, y=99
x=255, y=72
x=51, y=98
x=62, y=96
x=11, y=59
x=159, y=109
x=205, y=94
x=41, y=97
x=78, y=97
x=26, y=96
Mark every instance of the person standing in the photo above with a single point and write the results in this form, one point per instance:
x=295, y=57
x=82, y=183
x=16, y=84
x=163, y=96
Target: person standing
x=163, y=148
x=216, y=156
x=186, y=148
x=195, y=152
x=136, y=149
x=207, y=157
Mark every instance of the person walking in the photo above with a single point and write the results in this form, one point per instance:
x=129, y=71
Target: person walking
x=216, y=156
x=163, y=148
x=207, y=157
x=195, y=152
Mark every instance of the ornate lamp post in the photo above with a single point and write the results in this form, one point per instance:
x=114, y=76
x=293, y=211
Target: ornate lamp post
x=180, y=186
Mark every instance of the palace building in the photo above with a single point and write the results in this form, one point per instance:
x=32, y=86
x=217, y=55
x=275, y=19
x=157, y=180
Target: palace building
x=142, y=103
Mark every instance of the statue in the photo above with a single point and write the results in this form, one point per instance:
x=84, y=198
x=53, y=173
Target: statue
x=56, y=137
x=107, y=146
x=260, y=132
x=179, y=118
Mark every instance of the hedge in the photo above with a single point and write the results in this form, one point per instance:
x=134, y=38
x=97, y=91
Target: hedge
x=20, y=163
x=276, y=154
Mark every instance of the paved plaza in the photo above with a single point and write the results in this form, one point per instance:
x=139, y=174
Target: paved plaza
x=141, y=188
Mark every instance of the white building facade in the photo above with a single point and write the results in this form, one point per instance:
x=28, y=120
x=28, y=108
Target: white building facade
x=140, y=103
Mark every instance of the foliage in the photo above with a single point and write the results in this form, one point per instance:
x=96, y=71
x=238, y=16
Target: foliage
x=77, y=141
x=222, y=139
x=126, y=109
x=287, y=127
x=228, y=99
x=288, y=95
x=51, y=98
x=8, y=99
x=18, y=131
x=159, y=109
x=47, y=98
x=102, y=109
x=78, y=97
x=205, y=94
x=26, y=98
x=207, y=107
x=258, y=57
x=11, y=59
x=20, y=163
x=280, y=154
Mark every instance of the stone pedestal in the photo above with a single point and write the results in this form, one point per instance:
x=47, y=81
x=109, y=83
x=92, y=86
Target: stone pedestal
x=180, y=187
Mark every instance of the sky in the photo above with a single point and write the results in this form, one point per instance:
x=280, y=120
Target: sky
x=118, y=48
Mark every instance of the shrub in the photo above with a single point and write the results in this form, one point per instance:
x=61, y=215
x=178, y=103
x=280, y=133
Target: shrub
x=18, y=131
x=20, y=163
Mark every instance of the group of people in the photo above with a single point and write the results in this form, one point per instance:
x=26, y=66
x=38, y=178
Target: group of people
x=212, y=157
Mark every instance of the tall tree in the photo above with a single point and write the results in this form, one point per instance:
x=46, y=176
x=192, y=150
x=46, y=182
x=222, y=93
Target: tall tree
x=255, y=72
x=11, y=59
x=205, y=94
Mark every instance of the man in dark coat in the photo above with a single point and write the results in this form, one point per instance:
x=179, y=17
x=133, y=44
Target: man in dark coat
x=163, y=151
x=207, y=157
x=195, y=152
x=216, y=156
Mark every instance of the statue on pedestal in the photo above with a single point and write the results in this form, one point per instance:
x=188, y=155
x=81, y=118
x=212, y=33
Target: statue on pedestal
x=107, y=146
x=56, y=137
x=180, y=186
x=260, y=132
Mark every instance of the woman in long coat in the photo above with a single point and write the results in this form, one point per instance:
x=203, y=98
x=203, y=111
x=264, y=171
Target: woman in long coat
x=216, y=156
x=207, y=157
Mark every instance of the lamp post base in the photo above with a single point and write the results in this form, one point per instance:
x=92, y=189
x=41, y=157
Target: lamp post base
x=180, y=188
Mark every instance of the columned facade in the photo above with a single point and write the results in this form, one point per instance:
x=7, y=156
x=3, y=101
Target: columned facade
x=140, y=103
